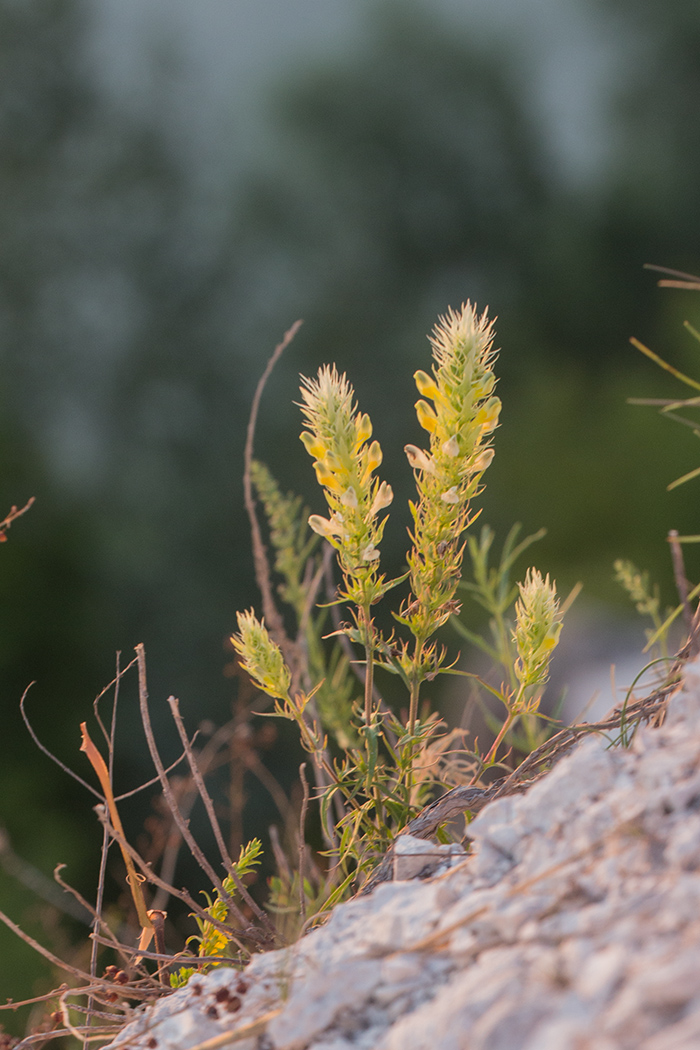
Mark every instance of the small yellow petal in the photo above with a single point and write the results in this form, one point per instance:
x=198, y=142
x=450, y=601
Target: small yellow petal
x=426, y=416
x=487, y=416
x=426, y=384
x=375, y=456
x=324, y=527
x=363, y=428
x=327, y=478
x=482, y=461
x=313, y=445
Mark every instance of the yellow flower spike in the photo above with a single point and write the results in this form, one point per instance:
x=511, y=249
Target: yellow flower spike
x=261, y=657
x=459, y=419
x=345, y=469
x=537, y=627
x=426, y=385
x=426, y=416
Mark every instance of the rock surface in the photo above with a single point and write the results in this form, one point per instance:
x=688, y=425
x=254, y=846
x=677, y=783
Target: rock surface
x=573, y=923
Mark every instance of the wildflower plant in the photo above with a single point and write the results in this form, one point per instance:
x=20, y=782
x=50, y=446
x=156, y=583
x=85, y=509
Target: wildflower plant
x=386, y=768
x=338, y=439
x=460, y=421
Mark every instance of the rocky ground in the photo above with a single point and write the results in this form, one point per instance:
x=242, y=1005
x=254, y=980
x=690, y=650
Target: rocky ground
x=573, y=924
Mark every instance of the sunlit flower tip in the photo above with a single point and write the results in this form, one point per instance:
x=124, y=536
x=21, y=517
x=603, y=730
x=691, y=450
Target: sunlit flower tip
x=487, y=416
x=363, y=427
x=327, y=478
x=382, y=499
x=426, y=385
x=451, y=447
x=323, y=527
x=418, y=459
x=349, y=498
x=451, y=496
x=483, y=460
x=261, y=657
x=551, y=639
x=370, y=553
x=484, y=388
x=426, y=416
x=374, y=456
x=313, y=445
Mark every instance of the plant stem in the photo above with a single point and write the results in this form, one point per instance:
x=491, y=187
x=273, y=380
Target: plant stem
x=416, y=679
x=514, y=708
x=369, y=668
x=490, y=758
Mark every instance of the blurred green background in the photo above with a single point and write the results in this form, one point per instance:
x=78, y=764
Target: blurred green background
x=179, y=183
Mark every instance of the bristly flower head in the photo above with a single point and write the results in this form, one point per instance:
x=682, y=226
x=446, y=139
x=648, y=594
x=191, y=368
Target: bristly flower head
x=538, y=620
x=261, y=657
x=345, y=459
x=460, y=416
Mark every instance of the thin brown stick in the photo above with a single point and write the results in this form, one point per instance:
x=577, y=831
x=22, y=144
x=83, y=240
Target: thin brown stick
x=554, y=748
x=175, y=810
x=682, y=585
x=120, y=672
x=134, y=883
x=99, y=899
x=12, y=1004
x=53, y=959
x=262, y=565
x=57, y=1033
x=248, y=932
x=154, y=780
x=671, y=273
x=35, y=880
x=257, y=767
x=302, y=839
x=82, y=901
x=50, y=754
x=174, y=705
x=12, y=516
x=278, y=853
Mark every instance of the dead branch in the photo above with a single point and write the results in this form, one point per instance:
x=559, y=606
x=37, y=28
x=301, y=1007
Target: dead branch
x=262, y=565
x=174, y=705
x=12, y=516
x=248, y=932
x=175, y=810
